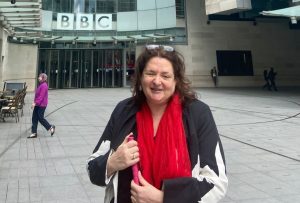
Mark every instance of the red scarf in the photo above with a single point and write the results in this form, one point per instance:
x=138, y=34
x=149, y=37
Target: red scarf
x=164, y=156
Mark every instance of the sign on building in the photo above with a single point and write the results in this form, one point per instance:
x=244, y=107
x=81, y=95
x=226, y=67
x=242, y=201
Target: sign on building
x=66, y=21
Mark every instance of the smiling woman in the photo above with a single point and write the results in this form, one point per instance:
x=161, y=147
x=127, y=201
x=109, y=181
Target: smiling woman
x=176, y=147
x=158, y=82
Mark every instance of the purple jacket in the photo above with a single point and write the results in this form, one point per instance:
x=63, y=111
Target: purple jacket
x=41, y=95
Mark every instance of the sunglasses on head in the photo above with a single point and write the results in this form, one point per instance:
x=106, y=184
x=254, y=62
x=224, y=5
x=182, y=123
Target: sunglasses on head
x=155, y=46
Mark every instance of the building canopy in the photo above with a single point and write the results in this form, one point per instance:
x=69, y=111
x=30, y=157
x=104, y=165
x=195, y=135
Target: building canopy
x=291, y=12
x=20, y=14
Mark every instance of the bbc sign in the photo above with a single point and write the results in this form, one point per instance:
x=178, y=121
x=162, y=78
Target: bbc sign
x=66, y=21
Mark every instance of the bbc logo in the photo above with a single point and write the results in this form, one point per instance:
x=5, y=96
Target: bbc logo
x=67, y=21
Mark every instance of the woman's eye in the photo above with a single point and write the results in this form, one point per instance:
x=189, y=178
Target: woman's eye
x=150, y=73
x=166, y=76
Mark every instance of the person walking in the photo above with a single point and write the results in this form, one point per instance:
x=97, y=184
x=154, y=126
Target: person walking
x=39, y=106
x=214, y=75
x=272, y=75
x=176, y=144
x=267, y=84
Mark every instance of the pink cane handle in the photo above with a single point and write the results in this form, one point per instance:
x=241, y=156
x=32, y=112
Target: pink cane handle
x=135, y=168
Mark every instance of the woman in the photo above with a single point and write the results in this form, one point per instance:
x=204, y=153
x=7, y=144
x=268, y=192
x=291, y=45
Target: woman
x=39, y=106
x=177, y=146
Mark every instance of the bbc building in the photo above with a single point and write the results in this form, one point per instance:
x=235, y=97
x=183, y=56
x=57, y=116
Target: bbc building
x=94, y=43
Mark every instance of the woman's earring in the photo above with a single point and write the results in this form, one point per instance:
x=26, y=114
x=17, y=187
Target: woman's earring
x=140, y=88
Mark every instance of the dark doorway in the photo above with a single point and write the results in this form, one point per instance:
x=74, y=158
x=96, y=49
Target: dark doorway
x=234, y=63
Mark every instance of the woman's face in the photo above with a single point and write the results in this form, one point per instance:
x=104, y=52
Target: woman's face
x=40, y=78
x=158, y=81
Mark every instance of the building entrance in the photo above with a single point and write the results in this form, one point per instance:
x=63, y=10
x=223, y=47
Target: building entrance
x=82, y=68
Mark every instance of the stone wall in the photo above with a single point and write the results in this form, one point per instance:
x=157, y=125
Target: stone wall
x=20, y=64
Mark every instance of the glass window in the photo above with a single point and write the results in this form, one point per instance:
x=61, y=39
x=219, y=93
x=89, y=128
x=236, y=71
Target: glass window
x=105, y=6
x=65, y=6
x=79, y=6
x=47, y=5
x=56, y=6
x=180, y=8
x=90, y=6
x=126, y=5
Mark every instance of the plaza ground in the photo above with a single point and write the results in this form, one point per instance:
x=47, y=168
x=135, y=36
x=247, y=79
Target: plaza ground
x=260, y=132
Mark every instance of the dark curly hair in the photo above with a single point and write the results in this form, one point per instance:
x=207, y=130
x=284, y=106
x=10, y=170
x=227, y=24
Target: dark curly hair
x=183, y=87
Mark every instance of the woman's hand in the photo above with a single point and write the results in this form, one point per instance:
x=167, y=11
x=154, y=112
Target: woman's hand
x=32, y=105
x=126, y=155
x=145, y=192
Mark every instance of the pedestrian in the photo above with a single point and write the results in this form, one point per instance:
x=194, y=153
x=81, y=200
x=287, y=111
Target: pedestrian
x=177, y=147
x=272, y=75
x=39, y=106
x=267, y=84
x=214, y=75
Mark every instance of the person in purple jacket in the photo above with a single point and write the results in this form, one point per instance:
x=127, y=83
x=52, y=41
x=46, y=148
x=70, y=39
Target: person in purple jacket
x=39, y=106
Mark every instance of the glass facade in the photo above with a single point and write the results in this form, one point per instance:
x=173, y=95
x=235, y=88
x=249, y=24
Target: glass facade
x=83, y=68
x=78, y=58
x=100, y=6
x=126, y=5
x=127, y=16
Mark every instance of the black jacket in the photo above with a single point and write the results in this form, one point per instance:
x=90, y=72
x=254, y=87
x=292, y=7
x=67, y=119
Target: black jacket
x=208, y=182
